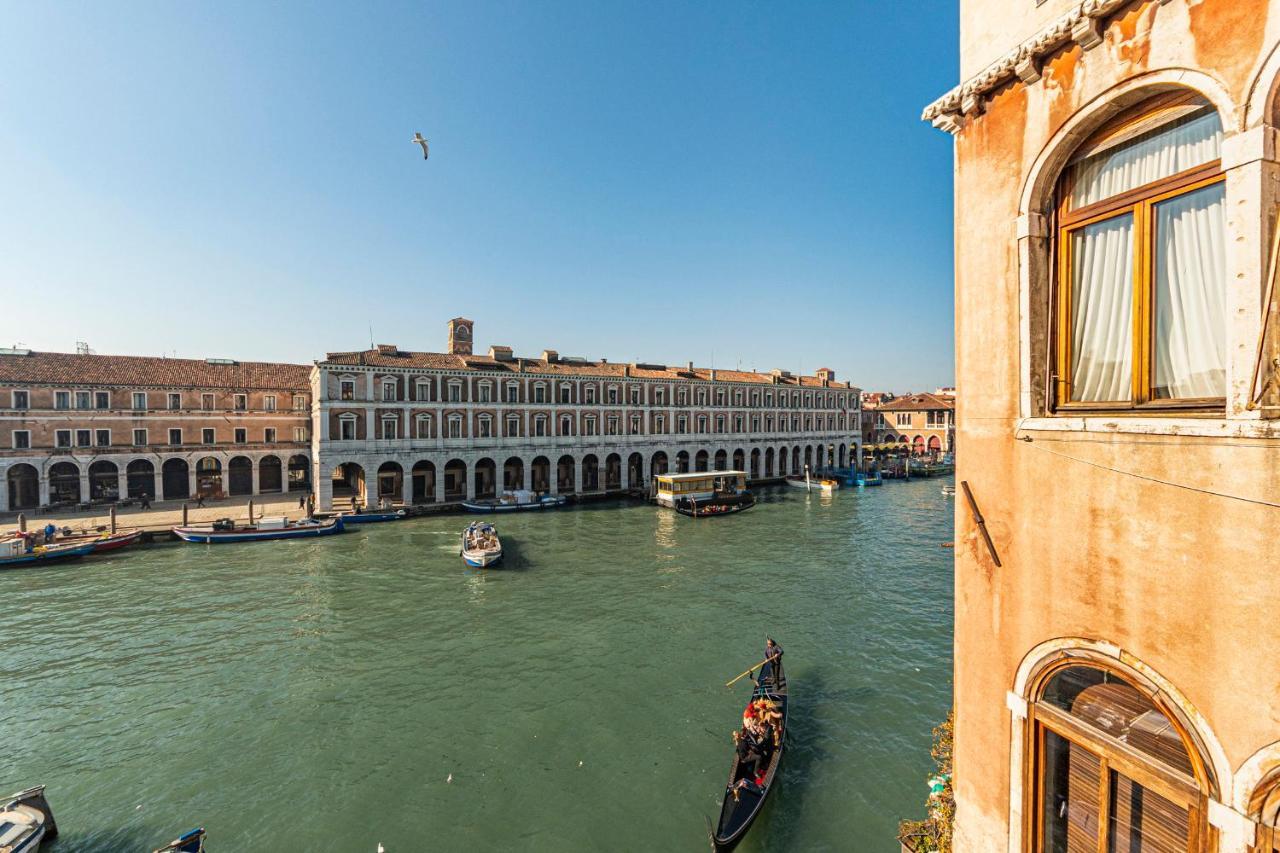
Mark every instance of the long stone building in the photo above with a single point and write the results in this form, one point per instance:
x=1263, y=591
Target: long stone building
x=77, y=429
x=1117, y=685
x=410, y=427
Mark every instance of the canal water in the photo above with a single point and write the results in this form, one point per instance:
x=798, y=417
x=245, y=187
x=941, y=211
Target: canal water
x=368, y=688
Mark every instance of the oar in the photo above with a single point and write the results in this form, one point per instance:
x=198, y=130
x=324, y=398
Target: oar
x=753, y=669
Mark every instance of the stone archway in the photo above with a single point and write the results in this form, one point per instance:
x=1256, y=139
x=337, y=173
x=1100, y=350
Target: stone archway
x=390, y=482
x=635, y=471
x=270, y=474
x=682, y=462
x=701, y=461
x=541, y=473
x=486, y=479
x=565, y=475
x=175, y=479
x=590, y=473
x=612, y=472
x=455, y=480
x=24, y=486
x=423, y=473
x=64, y=483
x=140, y=479
x=240, y=476
x=768, y=461
x=104, y=481
x=348, y=482
x=721, y=460
x=513, y=474
x=658, y=463
x=299, y=473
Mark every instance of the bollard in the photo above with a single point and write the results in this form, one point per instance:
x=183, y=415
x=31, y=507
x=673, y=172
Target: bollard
x=113, y=520
x=251, y=513
x=184, y=514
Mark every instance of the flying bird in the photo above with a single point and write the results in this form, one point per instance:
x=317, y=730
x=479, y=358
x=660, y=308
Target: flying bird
x=417, y=137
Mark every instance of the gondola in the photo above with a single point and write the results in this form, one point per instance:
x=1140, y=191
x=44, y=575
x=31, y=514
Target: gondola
x=189, y=842
x=716, y=506
x=26, y=821
x=736, y=816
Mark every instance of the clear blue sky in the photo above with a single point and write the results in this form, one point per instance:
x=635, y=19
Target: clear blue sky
x=748, y=181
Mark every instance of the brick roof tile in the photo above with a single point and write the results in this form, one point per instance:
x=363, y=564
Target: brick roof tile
x=61, y=368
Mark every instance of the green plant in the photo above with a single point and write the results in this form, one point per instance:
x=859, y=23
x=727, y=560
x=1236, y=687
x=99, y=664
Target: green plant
x=933, y=834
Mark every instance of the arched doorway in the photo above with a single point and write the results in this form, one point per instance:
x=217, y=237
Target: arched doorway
x=768, y=461
x=754, y=470
x=1264, y=808
x=808, y=457
x=64, y=483
x=700, y=461
x=270, y=474
x=722, y=461
x=739, y=460
x=840, y=456
x=104, y=481
x=299, y=473
x=175, y=478
x=935, y=445
x=1102, y=741
x=455, y=480
x=424, y=481
x=796, y=460
x=140, y=479
x=390, y=482
x=917, y=445
x=541, y=471
x=240, y=476
x=209, y=476
x=486, y=474
x=635, y=471
x=348, y=482
x=682, y=462
x=24, y=486
x=658, y=463
x=565, y=475
x=513, y=474
x=612, y=472
x=590, y=473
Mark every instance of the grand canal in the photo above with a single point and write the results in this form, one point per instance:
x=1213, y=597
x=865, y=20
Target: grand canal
x=367, y=688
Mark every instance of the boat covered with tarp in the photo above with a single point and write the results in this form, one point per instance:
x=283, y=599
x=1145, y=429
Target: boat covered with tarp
x=518, y=500
x=191, y=841
x=225, y=530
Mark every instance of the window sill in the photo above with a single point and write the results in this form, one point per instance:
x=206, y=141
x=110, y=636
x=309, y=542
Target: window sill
x=1209, y=427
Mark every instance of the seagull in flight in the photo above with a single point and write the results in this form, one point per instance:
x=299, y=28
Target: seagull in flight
x=417, y=137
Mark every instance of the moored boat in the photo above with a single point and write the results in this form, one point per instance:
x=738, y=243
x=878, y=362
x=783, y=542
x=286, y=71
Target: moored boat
x=744, y=797
x=870, y=478
x=481, y=546
x=372, y=517
x=19, y=553
x=225, y=530
x=826, y=485
x=716, y=506
x=191, y=841
x=26, y=821
x=516, y=501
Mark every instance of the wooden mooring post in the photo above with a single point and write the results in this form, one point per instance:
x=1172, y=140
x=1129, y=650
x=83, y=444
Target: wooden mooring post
x=184, y=514
x=22, y=522
x=251, y=513
x=113, y=520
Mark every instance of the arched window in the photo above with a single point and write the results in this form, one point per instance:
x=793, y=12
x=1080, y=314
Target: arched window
x=1265, y=809
x=1113, y=771
x=1142, y=274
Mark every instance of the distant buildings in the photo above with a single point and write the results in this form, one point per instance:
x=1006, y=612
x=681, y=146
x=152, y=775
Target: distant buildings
x=921, y=424
x=391, y=425
x=1116, y=683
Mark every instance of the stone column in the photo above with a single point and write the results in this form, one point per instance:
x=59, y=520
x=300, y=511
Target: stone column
x=577, y=476
x=84, y=483
x=191, y=480
x=253, y=467
x=471, y=479
x=44, y=489
x=406, y=485
x=4, y=490
x=122, y=482
x=157, y=484
x=526, y=465
x=439, y=485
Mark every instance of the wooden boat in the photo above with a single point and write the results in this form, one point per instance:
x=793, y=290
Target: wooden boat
x=737, y=815
x=372, y=517
x=717, y=506
x=102, y=540
x=517, y=501
x=225, y=530
x=26, y=821
x=189, y=842
x=15, y=553
x=870, y=478
x=481, y=546
x=826, y=485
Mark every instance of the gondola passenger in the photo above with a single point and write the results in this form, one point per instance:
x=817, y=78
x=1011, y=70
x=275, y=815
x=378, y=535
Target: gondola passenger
x=751, y=755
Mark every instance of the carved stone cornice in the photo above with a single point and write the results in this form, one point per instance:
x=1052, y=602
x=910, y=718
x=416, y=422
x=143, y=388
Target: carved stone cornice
x=1082, y=25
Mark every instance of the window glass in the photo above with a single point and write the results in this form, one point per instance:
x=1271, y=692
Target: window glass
x=1142, y=820
x=1190, y=292
x=1101, y=308
x=1072, y=776
x=1134, y=161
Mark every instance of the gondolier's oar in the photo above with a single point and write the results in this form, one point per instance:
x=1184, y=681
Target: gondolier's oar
x=753, y=669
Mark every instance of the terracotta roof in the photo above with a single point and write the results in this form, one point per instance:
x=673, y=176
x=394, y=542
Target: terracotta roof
x=917, y=403
x=561, y=367
x=61, y=368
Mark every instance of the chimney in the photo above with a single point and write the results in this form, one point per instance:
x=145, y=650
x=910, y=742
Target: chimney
x=690, y=367
x=500, y=353
x=626, y=369
x=388, y=349
x=460, y=337
x=550, y=355
x=826, y=374
x=713, y=374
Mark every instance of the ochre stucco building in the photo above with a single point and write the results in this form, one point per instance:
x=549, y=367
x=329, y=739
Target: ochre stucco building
x=1117, y=651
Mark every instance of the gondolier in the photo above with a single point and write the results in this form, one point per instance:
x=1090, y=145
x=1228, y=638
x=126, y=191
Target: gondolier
x=773, y=658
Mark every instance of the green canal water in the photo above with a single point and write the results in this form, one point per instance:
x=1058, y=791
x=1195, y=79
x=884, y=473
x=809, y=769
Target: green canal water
x=318, y=696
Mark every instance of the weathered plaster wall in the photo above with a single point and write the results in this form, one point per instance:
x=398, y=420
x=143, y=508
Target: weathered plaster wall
x=1185, y=581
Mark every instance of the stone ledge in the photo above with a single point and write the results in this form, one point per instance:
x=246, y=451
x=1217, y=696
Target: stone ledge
x=1200, y=427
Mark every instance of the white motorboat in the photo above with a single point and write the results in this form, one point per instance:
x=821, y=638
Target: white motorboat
x=481, y=546
x=26, y=821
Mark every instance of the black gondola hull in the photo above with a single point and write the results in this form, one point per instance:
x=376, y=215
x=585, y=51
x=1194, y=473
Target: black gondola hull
x=737, y=816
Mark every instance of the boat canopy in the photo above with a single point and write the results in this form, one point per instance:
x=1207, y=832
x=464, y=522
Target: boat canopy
x=699, y=481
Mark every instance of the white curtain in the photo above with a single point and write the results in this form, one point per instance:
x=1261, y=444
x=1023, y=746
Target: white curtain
x=1102, y=311
x=1173, y=149
x=1191, y=282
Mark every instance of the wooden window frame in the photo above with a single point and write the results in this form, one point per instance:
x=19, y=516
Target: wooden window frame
x=1188, y=792
x=1139, y=203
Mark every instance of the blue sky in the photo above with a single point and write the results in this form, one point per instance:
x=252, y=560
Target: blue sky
x=747, y=182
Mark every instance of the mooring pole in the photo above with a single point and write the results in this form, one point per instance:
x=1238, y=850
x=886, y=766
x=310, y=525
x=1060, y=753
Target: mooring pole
x=251, y=513
x=22, y=522
x=113, y=519
x=184, y=514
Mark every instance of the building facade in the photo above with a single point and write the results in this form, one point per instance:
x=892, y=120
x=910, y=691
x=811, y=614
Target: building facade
x=421, y=427
x=925, y=424
x=1117, y=185
x=76, y=429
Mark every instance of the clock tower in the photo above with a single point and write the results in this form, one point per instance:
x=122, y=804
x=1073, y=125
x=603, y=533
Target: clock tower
x=460, y=336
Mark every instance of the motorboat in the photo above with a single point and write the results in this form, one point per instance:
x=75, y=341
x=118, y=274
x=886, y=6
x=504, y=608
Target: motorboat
x=19, y=552
x=516, y=501
x=373, y=517
x=26, y=821
x=481, y=546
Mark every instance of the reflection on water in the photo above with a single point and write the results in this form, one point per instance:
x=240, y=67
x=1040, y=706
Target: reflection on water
x=334, y=694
